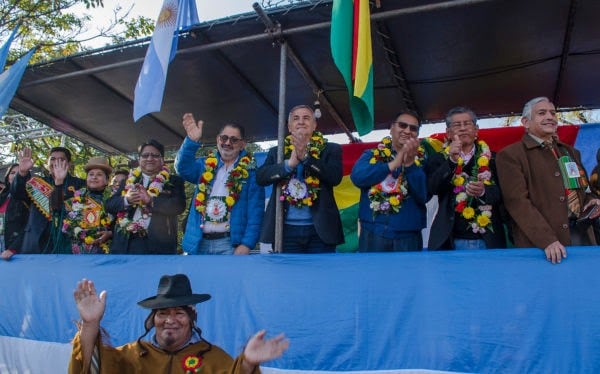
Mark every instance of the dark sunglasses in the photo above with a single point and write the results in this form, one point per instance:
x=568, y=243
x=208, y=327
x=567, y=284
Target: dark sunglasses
x=232, y=139
x=404, y=125
x=146, y=156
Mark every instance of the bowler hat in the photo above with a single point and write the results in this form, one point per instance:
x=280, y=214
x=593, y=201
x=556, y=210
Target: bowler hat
x=173, y=291
x=98, y=163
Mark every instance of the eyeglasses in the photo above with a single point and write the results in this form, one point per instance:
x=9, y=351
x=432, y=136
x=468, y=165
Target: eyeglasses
x=232, y=139
x=404, y=126
x=458, y=125
x=146, y=156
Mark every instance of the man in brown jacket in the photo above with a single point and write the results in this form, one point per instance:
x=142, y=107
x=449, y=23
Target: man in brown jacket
x=544, y=186
x=177, y=345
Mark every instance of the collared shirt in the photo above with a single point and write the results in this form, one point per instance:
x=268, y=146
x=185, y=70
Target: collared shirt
x=219, y=189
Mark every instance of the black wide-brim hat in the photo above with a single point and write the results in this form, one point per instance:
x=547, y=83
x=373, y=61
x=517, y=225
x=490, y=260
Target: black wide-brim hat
x=173, y=291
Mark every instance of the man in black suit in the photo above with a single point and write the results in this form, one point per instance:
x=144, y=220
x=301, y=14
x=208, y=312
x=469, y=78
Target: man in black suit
x=146, y=206
x=463, y=176
x=43, y=231
x=310, y=170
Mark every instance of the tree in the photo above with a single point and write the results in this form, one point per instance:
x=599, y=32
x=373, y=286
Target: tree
x=56, y=26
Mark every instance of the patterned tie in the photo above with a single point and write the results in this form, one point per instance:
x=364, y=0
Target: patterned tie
x=572, y=196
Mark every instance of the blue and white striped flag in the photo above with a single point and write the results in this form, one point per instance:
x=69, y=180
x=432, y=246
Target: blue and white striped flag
x=4, y=49
x=10, y=79
x=174, y=16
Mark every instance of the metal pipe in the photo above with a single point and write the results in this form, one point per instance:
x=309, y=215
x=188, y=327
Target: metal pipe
x=263, y=36
x=281, y=121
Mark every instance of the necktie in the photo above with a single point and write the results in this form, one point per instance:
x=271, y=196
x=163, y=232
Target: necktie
x=572, y=196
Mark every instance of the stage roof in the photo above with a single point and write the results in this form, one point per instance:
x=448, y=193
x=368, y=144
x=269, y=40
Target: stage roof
x=490, y=55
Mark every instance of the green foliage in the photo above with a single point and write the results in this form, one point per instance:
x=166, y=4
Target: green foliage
x=134, y=28
x=57, y=26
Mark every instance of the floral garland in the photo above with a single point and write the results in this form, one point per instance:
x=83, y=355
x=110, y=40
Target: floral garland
x=191, y=364
x=298, y=193
x=156, y=186
x=234, y=183
x=390, y=200
x=82, y=209
x=481, y=221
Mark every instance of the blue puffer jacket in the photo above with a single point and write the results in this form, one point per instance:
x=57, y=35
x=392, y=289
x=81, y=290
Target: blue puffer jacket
x=246, y=214
x=412, y=214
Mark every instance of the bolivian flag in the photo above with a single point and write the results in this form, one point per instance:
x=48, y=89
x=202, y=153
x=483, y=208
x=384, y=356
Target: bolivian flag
x=347, y=195
x=353, y=56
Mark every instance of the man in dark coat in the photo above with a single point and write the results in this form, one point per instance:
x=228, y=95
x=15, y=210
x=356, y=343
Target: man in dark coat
x=463, y=176
x=147, y=205
x=43, y=232
x=311, y=168
x=14, y=215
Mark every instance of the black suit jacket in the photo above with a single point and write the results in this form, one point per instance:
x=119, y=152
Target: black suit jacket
x=439, y=182
x=40, y=234
x=326, y=216
x=162, y=231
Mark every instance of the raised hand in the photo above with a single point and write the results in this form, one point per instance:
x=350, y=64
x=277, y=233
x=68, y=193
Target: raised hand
x=455, y=148
x=192, y=128
x=90, y=306
x=59, y=169
x=25, y=161
x=260, y=349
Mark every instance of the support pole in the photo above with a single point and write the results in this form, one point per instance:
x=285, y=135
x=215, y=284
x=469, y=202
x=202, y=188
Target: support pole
x=279, y=214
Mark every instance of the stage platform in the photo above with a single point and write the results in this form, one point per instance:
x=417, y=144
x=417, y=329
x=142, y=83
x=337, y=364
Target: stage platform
x=463, y=311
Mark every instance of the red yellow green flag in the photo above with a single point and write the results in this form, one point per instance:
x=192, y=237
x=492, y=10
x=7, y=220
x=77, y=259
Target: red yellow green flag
x=352, y=54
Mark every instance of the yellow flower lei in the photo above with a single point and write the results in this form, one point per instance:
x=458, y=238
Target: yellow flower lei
x=389, y=202
x=235, y=181
x=481, y=221
x=76, y=226
x=154, y=189
x=156, y=184
x=315, y=147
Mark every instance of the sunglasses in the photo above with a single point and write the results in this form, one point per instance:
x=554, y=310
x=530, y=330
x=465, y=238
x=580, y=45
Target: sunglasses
x=404, y=126
x=232, y=139
x=146, y=156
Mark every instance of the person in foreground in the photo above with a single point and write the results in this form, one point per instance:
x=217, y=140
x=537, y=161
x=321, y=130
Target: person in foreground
x=545, y=187
x=177, y=345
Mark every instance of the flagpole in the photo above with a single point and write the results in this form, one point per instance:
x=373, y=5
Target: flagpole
x=281, y=120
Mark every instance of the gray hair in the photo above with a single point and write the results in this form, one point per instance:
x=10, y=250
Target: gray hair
x=302, y=106
x=460, y=110
x=529, y=105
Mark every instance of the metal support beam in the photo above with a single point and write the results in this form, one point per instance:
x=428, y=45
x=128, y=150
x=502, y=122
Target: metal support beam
x=279, y=213
x=383, y=33
x=325, y=103
x=565, y=51
x=258, y=37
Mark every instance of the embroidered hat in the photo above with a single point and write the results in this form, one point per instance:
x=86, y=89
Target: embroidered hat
x=173, y=291
x=98, y=163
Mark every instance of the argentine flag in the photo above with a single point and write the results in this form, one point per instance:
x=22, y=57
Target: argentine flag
x=174, y=16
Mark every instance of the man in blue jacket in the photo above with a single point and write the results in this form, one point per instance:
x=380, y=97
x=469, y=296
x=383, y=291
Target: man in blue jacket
x=393, y=190
x=227, y=207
